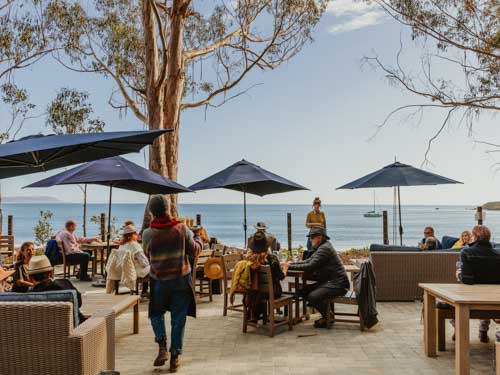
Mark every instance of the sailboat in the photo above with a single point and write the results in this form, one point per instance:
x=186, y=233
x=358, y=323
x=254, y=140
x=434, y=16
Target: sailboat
x=372, y=213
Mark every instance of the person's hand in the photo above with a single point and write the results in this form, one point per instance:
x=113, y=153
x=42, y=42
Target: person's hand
x=421, y=246
x=285, y=266
x=458, y=273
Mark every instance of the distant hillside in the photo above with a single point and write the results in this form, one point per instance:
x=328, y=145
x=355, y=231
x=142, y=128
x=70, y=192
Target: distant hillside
x=494, y=206
x=31, y=199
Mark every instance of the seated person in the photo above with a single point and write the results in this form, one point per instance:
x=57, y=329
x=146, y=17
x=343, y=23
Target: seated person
x=73, y=253
x=262, y=227
x=128, y=262
x=257, y=255
x=40, y=272
x=463, y=241
x=429, y=232
x=21, y=282
x=200, y=231
x=430, y=244
x=480, y=249
x=4, y=275
x=325, y=267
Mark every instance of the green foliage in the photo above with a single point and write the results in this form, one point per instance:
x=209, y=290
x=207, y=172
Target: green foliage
x=17, y=99
x=96, y=219
x=70, y=112
x=44, y=230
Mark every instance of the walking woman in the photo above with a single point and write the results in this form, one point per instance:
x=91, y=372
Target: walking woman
x=315, y=218
x=169, y=243
x=21, y=281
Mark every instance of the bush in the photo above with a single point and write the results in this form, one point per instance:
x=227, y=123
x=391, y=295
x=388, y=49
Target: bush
x=43, y=229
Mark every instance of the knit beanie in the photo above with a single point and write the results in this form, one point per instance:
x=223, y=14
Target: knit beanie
x=158, y=205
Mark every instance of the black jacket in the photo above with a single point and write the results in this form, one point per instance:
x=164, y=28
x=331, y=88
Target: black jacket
x=325, y=266
x=364, y=286
x=480, y=264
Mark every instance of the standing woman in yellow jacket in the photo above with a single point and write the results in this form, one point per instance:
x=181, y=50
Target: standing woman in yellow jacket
x=315, y=218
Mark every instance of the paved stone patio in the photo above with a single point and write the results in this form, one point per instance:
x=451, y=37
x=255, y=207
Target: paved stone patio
x=215, y=345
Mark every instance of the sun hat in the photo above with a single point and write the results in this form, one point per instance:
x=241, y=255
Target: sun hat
x=260, y=226
x=315, y=231
x=39, y=264
x=5, y=274
x=127, y=229
x=213, y=268
x=259, y=242
x=158, y=205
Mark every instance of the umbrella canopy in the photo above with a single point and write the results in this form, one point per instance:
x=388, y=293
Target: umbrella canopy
x=44, y=152
x=248, y=178
x=114, y=172
x=398, y=174
x=395, y=175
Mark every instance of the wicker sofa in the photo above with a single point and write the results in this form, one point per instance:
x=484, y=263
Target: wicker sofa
x=399, y=270
x=40, y=335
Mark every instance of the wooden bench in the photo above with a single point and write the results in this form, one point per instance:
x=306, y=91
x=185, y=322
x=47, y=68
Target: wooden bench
x=92, y=302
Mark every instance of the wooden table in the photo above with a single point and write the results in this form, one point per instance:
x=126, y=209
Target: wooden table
x=300, y=279
x=100, y=247
x=464, y=298
x=92, y=302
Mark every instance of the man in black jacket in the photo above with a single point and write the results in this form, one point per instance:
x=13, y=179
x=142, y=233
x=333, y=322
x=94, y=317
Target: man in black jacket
x=480, y=264
x=325, y=267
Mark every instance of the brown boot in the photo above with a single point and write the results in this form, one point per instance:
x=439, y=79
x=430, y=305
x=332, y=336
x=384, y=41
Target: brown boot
x=162, y=353
x=483, y=337
x=174, y=362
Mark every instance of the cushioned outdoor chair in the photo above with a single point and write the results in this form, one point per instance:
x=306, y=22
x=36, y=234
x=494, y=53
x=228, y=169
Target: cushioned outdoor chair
x=42, y=336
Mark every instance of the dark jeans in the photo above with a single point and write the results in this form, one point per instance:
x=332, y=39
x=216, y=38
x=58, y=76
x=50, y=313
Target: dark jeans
x=82, y=259
x=316, y=294
x=174, y=295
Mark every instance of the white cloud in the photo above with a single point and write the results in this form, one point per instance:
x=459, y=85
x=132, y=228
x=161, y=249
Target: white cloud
x=354, y=14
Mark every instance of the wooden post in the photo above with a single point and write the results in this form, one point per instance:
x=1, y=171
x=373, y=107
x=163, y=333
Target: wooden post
x=103, y=227
x=10, y=225
x=385, y=229
x=198, y=219
x=289, y=231
x=480, y=215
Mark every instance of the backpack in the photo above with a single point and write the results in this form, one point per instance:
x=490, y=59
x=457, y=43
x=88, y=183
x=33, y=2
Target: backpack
x=53, y=253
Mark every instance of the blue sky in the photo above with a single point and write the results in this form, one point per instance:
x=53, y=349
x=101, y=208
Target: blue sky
x=309, y=121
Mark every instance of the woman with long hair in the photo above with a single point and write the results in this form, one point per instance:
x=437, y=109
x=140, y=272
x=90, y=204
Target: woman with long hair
x=21, y=282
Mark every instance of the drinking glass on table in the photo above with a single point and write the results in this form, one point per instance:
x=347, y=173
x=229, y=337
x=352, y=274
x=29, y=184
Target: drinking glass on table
x=295, y=256
x=283, y=257
x=459, y=270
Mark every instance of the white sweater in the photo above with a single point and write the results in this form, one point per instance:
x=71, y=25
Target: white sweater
x=127, y=264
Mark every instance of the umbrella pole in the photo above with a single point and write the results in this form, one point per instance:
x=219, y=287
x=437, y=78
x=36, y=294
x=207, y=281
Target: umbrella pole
x=400, y=224
x=108, y=234
x=245, y=216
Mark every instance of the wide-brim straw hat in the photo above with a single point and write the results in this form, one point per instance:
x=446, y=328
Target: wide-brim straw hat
x=127, y=229
x=39, y=264
x=213, y=268
x=5, y=274
x=259, y=242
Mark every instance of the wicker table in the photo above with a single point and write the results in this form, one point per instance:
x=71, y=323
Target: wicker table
x=464, y=298
x=92, y=302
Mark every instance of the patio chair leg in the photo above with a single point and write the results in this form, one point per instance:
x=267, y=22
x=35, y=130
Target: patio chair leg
x=330, y=308
x=289, y=315
x=210, y=290
x=245, y=319
x=224, y=312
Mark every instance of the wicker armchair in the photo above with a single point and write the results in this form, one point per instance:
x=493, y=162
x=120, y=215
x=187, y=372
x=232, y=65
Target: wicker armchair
x=39, y=338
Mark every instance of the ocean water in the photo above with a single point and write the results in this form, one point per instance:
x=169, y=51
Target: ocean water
x=346, y=224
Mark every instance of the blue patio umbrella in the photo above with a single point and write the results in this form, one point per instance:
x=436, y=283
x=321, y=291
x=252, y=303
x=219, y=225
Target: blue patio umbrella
x=41, y=153
x=248, y=178
x=115, y=172
x=395, y=175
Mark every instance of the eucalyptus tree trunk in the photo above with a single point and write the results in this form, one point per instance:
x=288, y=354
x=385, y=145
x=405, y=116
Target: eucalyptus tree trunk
x=174, y=90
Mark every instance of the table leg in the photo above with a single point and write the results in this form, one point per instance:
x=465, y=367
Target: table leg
x=304, y=301
x=136, y=318
x=297, y=300
x=430, y=330
x=101, y=251
x=462, y=315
